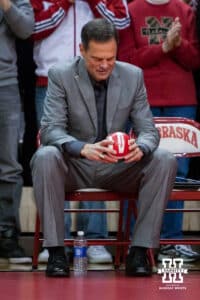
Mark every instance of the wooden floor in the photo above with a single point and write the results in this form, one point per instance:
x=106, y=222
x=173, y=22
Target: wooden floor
x=104, y=285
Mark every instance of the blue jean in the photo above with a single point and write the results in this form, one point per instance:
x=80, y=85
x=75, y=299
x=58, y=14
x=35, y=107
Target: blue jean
x=172, y=222
x=10, y=170
x=93, y=224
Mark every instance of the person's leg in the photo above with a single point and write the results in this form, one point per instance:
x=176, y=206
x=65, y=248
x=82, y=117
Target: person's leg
x=93, y=224
x=40, y=94
x=53, y=175
x=11, y=173
x=50, y=175
x=153, y=177
x=49, y=172
x=95, y=227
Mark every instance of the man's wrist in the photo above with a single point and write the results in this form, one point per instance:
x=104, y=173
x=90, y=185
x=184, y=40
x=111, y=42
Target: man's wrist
x=145, y=149
x=73, y=148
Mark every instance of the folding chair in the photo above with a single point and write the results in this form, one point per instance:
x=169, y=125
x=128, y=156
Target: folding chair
x=181, y=136
x=122, y=240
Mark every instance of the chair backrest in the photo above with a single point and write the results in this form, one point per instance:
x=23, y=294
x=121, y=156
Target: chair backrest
x=180, y=136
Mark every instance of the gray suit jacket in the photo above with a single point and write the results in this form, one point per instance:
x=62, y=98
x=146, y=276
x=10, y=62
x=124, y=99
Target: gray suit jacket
x=70, y=109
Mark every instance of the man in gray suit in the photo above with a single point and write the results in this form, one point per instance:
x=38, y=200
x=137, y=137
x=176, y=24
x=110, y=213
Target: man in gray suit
x=87, y=99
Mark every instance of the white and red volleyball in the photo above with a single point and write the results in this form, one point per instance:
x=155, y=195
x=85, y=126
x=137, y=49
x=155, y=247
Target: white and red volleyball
x=120, y=144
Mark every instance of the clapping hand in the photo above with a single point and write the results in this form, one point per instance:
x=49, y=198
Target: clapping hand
x=174, y=34
x=173, y=38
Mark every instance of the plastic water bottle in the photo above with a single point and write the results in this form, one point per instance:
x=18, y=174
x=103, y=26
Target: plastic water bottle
x=80, y=255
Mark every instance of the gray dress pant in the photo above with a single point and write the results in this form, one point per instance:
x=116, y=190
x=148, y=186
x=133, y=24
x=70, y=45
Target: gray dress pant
x=152, y=177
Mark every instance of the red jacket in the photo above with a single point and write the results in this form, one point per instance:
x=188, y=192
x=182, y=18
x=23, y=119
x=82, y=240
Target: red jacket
x=58, y=25
x=48, y=18
x=168, y=77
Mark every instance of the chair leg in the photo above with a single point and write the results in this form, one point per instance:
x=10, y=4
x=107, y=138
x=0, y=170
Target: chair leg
x=152, y=259
x=36, y=243
x=119, y=235
x=127, y=229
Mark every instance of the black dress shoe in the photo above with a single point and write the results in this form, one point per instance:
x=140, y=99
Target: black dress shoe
x=137, y=263
x=57, y=266
x=10, y=249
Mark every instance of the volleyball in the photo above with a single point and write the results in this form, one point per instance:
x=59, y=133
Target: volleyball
x=120, y=144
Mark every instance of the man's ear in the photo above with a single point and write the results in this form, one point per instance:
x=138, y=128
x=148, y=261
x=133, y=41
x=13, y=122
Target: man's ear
x=81, y=48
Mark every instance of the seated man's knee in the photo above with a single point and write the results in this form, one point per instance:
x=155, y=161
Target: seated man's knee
x=165, y=158
x=45, y=155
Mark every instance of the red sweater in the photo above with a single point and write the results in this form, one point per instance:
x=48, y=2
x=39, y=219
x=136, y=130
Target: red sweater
x=168, y=77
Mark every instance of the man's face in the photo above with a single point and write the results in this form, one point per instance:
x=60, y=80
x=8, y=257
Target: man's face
x=100, y=58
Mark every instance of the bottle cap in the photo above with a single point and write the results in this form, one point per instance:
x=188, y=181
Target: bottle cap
x=80, y=233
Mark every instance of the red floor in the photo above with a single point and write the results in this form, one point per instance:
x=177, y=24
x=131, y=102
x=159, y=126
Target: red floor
x=102, y=285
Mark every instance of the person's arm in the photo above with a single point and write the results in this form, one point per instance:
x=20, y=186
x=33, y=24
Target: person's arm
x=187, y=53
x=143, y=56
x=48, y=16
x=147, y=56
x=19, y=17
x=147, y=136
x=116, y=11
x=54, y=125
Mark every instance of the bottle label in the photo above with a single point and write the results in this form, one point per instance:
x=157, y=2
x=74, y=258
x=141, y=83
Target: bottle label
x=80, y=251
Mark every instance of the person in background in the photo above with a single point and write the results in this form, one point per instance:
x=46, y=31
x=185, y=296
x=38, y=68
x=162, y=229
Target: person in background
x=191, y=3
x=16, y=21
x=56, y=39
x=162, y=41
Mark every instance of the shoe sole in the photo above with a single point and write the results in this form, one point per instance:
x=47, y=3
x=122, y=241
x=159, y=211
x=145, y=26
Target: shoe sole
x=20, y=260
x=163, y=256
x=138, y=274
x=100, y=261
x=57, y=274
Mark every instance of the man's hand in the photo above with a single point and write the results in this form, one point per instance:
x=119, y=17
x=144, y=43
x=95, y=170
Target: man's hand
x=5, y=4
x=100, y=151
x=135, y=154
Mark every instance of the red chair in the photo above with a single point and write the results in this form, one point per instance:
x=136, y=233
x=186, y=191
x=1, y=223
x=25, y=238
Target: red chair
x=121, y=241
x=180, y=136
